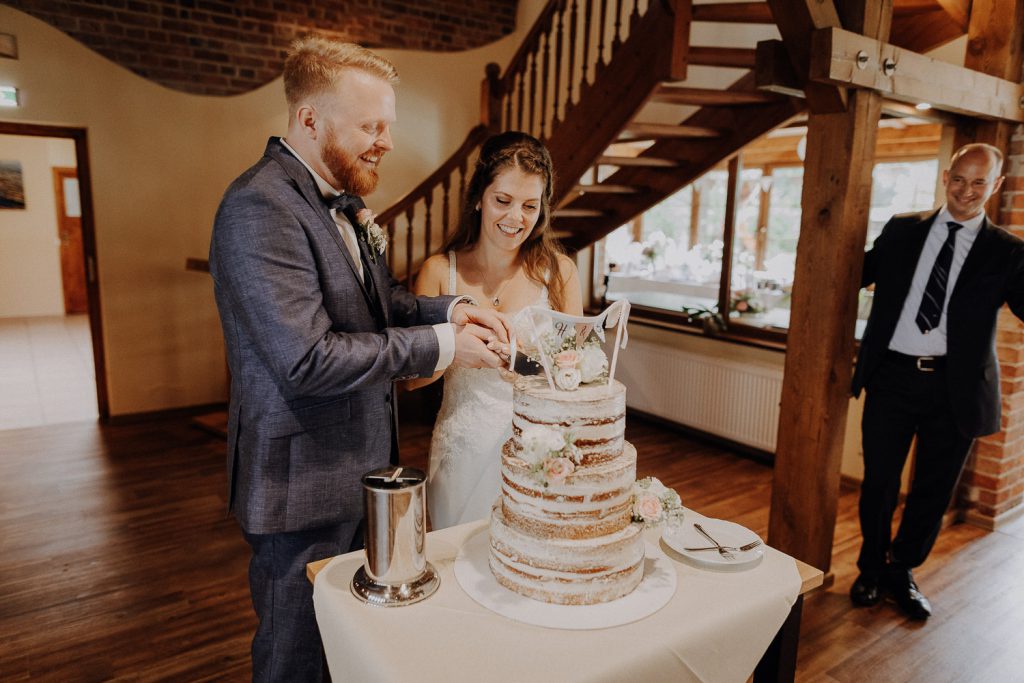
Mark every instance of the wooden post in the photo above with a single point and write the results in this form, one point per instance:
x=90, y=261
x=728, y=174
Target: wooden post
x=995, y=41
x=816, y=381
x=491, y=95
x=732, y=198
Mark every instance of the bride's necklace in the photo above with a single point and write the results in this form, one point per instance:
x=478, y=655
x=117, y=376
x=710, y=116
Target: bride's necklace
x=496, y=299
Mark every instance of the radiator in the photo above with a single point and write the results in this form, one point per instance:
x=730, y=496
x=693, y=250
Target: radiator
x=734, y=400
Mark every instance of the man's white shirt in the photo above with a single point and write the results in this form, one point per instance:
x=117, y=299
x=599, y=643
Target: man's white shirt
x=908, y=338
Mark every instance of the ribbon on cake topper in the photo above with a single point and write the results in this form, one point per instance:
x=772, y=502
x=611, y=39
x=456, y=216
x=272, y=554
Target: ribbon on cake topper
x=616, y=315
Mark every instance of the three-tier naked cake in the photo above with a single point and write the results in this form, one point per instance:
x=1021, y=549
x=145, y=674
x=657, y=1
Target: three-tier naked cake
x=562, y=531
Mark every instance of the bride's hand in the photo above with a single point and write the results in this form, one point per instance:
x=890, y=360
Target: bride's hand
x=508, y=375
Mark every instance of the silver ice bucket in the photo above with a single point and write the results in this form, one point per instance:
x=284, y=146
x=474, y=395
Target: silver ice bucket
x=396, y=570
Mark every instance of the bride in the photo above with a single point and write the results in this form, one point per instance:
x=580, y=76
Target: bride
x=504, y=256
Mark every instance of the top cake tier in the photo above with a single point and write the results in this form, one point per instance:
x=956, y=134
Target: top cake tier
x=593, y=415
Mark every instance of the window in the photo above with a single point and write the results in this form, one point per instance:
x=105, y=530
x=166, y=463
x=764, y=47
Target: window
x=671, y=258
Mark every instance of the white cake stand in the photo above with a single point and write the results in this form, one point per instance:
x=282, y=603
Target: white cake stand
x=474, y=575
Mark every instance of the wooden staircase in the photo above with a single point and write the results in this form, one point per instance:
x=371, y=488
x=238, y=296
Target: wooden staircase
x=631, y=110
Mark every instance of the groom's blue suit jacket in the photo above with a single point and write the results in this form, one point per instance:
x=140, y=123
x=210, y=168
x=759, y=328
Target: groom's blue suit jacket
x=312, y=353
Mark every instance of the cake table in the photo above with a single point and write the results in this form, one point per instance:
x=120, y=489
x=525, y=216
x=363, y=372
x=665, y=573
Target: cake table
x=718, y=626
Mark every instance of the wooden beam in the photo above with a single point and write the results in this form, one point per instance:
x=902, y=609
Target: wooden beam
x=705, y=97
x=846, y=58
x=835, y=203
x=796, y=20
x=656, y=131
x=734, y=13
x=577, y=213
x=994, y=46
x=774, y=71
x=735, y=57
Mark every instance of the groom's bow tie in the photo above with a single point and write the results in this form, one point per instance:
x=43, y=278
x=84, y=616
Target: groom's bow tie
x=347, y=205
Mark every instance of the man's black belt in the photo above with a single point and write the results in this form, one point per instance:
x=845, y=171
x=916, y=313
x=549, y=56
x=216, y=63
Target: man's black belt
x=922, y=363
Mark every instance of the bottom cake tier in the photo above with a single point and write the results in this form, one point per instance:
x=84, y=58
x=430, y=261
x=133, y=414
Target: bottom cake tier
x=566, y=571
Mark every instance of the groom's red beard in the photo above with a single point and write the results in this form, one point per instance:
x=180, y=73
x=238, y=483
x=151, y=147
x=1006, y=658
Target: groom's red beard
x=347, y=170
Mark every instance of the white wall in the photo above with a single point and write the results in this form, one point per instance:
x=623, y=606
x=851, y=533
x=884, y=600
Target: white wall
x=160, y=161
x=30, y=277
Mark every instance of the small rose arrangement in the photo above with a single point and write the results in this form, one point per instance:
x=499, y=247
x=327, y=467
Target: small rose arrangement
x=745, y=303
x=654, y=503
x=572, y=366
x=551, y=452
x=371, y=233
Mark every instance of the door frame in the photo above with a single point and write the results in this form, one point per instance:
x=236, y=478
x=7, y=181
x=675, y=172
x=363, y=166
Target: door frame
x=92, y=283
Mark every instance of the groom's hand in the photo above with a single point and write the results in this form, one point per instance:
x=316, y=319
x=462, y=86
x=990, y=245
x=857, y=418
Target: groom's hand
x=493, y=320
x=471, y=342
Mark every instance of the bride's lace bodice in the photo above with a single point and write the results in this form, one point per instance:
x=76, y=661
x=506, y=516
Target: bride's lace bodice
x=465, y=451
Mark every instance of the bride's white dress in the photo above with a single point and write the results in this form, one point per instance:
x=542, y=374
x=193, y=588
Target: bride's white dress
x=465, y=451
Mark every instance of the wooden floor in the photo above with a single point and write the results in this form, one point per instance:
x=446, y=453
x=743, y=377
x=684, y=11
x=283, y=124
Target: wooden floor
x=117, y=561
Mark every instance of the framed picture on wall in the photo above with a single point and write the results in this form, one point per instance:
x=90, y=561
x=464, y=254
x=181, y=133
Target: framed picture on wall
x=12, y=188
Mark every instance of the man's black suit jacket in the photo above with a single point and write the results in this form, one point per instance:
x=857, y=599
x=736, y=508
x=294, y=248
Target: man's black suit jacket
x=992, y=275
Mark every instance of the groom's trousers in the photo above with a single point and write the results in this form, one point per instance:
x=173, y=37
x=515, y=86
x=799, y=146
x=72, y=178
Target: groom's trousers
x=287, y=644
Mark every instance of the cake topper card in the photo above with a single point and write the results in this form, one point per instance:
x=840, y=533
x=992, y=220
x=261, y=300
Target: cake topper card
x=569, y=348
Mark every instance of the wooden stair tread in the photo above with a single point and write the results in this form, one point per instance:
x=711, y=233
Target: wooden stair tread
x=734, y=12
x=702, y=97
x=668, y=130
x=735, y=57
x=577, y=213
x=605, y=188
x=649, y=162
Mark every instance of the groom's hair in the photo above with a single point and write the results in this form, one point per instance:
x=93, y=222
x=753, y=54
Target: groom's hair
x=314, y=63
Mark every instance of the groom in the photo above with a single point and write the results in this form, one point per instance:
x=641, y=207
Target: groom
x=316, y=332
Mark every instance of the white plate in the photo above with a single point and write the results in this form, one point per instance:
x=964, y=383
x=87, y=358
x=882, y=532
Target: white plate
x=474, y=575
x=726, y=533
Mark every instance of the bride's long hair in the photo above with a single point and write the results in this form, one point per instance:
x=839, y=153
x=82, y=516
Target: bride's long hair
x=539, y=253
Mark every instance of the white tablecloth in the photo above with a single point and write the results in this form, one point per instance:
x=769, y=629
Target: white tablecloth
x=715, y=628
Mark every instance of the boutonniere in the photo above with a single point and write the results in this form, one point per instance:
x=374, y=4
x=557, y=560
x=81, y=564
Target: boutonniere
x=371, y=233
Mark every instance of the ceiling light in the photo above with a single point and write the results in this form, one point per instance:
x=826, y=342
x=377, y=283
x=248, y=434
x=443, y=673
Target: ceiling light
x=922, y=106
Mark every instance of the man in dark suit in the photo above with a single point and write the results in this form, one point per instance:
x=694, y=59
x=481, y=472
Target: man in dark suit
x=317, y=331
x=928, y=365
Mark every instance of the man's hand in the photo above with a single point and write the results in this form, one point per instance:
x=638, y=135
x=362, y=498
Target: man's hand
x=471, y=347
x=494, y=321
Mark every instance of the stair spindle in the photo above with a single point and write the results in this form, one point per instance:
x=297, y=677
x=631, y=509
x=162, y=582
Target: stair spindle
x=544, y=80
x=519, y=100
x=617, y=41
x=391, y=245
x=588, y=10
x=533, y=84
x=445, y=207
x=603, y=14
x=558, y=66
x=634, y=15
x=428, y=200
x=408, y=246
x=570, y=75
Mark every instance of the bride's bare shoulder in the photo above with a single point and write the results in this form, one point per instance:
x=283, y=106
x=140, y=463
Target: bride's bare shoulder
x=433, y=276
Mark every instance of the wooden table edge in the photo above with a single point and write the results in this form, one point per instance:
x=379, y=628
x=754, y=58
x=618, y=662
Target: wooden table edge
x=810, y=577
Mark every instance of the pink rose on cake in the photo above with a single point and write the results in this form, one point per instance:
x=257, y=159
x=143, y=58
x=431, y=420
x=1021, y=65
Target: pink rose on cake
x=557, y=469
x=648, y=508
x=654, y=503
x=567, y=359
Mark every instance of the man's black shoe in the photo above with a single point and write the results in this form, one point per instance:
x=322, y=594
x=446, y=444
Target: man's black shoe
x=865, y=591
x=901, y=586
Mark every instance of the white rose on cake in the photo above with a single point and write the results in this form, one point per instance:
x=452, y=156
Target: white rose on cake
x=539, y=442
x=593, y=363
x=567, y=379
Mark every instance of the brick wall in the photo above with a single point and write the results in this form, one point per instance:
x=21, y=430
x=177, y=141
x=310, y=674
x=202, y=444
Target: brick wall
x=994, y=479
x=213, y=47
